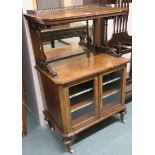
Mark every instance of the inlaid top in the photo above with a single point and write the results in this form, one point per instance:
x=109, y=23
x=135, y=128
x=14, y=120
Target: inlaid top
x=83, y=67
x=46, y=16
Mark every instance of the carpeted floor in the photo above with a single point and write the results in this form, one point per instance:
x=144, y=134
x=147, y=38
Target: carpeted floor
x=110, y=137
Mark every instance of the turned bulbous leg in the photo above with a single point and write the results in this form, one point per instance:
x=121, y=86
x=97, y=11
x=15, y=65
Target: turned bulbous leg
x=67, y=142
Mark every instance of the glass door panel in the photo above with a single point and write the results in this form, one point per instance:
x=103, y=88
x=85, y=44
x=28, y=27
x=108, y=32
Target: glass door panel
x=111, y=90
x=82, y=102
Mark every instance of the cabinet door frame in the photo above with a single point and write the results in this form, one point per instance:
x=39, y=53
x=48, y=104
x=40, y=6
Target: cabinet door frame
x=96, y=110
x=123, y=86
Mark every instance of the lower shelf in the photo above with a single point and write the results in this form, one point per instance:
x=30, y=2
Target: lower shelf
x=111, y=99
x=110, y=107
x=94, y=120
x=82, y=119
x=110, y=92
x=81, y=105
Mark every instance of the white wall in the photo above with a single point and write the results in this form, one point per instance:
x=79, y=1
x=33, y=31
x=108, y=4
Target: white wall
x=31, y=82
x=27, y=4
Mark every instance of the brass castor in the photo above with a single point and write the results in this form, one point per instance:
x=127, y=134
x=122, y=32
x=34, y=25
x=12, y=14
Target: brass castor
x=70, y=150
x=123, y=121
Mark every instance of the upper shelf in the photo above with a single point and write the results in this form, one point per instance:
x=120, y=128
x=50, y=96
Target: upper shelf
x=72, y=14
x=64, y=52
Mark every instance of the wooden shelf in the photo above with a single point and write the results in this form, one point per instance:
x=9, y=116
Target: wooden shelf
x=81, y=88
x=110, y=92
x=82, y=119
x=81, y=92
x=111, y=76
x=81, y=105
x=110, y=81
x=64, y=52
x=110, y=107
x=72, y=14
x=89, y=101
x=90, y=89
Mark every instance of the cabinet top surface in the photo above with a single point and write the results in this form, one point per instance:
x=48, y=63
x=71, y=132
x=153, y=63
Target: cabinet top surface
x=84, y=66
x=50, y=15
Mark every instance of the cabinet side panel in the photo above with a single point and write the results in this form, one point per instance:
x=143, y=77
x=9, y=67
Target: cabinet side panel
x=65, y=110
x=52, y=100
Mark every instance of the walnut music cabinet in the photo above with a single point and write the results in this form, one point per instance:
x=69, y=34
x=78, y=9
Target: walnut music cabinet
x=81, y=86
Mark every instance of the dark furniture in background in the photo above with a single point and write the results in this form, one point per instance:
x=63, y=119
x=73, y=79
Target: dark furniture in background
x=121, y=42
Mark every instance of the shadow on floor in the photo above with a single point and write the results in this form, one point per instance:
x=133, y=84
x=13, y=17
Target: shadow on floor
x=92, y=130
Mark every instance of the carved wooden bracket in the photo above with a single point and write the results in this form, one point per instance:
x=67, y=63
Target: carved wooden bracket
x=44, y=65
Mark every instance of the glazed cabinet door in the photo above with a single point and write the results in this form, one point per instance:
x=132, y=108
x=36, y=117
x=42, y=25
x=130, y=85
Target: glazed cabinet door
x=112, y=87
x=83, y=102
